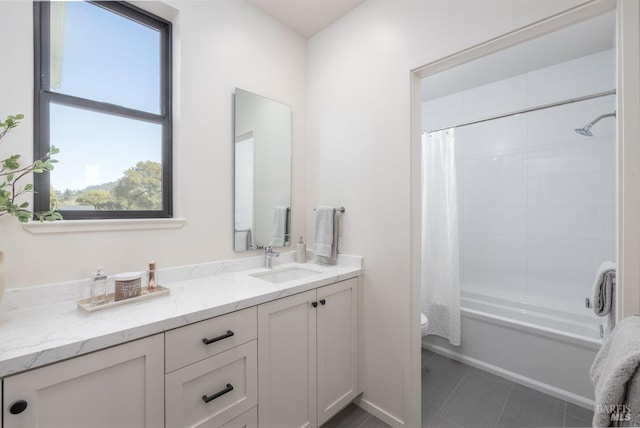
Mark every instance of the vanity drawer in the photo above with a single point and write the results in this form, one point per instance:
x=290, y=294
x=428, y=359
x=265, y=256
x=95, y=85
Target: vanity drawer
x=184, y=345
x=228, y=381
x=248, y=419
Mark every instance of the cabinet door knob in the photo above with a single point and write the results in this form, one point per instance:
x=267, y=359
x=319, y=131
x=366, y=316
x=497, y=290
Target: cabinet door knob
x=206, y=399
x=314, y=304
x=322, y=302
x=18, y=407
x=206, y=341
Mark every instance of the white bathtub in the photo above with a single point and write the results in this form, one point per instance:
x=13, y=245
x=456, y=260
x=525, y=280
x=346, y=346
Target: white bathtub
x=545, y=349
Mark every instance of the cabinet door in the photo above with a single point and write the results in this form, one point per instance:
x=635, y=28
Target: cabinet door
x=337, y=347
x=287, y=362
x=121, y=386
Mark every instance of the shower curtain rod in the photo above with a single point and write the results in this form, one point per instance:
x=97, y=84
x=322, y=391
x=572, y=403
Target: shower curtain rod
x=527, y=110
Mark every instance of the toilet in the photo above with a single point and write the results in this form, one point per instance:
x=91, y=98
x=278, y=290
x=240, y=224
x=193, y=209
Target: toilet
x=424, y=323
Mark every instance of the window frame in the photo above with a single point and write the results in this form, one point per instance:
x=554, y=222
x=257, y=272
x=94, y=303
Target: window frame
x=44, y=97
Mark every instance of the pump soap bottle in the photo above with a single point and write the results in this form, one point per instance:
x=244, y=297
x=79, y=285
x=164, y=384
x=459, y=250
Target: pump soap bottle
x=152, y=277
x=98, y=288
x=301, y=252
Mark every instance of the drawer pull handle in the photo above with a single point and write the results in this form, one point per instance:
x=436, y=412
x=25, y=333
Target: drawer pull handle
x=206, y=341
x=322, y=302
x=18, y=407
x=229, y=388
x=314, y=304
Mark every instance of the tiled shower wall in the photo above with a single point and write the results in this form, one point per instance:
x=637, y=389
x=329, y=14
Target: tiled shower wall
x=536, y=200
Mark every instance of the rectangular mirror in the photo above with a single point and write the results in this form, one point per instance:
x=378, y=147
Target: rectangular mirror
x=262, y=179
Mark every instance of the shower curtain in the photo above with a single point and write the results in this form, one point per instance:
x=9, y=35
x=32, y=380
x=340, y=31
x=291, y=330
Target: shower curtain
x=440, y=277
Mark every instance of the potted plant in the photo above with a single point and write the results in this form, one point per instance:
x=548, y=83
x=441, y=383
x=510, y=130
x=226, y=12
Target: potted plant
x=11, y=172
x=12, y=190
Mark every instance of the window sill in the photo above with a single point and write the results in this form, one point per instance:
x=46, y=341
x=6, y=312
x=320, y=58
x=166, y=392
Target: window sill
x=76, y=226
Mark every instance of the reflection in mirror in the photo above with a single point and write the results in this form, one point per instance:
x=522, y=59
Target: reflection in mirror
x=262, y=150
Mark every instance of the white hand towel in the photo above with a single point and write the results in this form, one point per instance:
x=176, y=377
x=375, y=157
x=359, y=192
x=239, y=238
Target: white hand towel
x=279, y=226
x=604, y=293
x=323, y=232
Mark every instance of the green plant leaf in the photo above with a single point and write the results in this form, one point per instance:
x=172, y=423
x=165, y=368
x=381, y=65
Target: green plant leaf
x=8, y=186
x=23, y=217
x=11, y=162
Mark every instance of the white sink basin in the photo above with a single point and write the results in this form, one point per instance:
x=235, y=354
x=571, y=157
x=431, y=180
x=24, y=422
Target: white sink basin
x=286, y=274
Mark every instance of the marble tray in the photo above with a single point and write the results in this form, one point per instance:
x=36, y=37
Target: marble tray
x=110, y=302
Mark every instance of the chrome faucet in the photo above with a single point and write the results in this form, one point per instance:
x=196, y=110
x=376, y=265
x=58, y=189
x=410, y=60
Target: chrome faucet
x=269, y=254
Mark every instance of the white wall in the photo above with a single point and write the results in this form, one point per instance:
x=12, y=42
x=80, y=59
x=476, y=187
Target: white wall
x=219, y=45
x=537, y=200
x=359, y=153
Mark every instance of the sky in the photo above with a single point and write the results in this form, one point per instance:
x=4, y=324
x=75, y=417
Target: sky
x=108, y=58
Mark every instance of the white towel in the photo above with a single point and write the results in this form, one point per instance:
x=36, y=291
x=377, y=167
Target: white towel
x=323, y=232
x=604, y=293
x=616, y=377
x=335, y=246
x=279, y=226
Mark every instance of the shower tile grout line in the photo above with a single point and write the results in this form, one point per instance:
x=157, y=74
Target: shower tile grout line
x=504, y=406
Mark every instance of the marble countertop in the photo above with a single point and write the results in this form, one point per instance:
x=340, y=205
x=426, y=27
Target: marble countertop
x=33, y=335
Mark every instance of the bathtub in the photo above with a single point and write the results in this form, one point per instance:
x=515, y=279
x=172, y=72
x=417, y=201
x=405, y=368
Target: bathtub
x=543, y=348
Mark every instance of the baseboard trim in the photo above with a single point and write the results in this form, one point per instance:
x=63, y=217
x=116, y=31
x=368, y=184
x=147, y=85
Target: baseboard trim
x=376, y=411
x=515, y=377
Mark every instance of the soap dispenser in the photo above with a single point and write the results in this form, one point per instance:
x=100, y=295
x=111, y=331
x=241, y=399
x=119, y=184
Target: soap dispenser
x=301, y=252
x=98, y=288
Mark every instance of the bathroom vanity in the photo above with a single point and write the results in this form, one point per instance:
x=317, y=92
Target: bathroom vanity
x=233, y=345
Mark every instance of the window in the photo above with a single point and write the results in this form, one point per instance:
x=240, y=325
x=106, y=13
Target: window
x=103, y=97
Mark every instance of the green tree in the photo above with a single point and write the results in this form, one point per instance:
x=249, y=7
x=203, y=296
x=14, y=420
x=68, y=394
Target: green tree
x=100, y=199
x=140, y=188
x=67, y=195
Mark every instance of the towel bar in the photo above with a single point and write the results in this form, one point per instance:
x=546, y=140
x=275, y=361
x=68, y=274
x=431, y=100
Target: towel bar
x=341, y=209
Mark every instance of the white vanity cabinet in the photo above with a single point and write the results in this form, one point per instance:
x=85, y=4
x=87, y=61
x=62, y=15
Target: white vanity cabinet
x=291, y=361
x=308, y=347
x=120, y=386
x=248, y=419
x=212, y=377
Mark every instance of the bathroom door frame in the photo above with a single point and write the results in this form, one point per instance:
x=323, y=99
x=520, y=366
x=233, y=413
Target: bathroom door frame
x=627, y=148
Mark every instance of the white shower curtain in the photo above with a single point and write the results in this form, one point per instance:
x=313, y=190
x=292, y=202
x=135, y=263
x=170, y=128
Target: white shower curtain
x=440, y=277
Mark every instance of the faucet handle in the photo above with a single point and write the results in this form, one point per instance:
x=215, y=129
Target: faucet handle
x=269, y=252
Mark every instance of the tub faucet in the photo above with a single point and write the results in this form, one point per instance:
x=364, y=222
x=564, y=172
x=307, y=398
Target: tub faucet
x=269, y=254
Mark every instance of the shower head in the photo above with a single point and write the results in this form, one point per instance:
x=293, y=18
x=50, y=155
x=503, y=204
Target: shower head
x=586, y=130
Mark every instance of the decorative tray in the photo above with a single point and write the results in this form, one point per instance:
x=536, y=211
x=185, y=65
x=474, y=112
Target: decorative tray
x=111, y=303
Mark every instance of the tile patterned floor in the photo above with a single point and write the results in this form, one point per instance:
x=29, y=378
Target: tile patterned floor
x=354, y=417
x=455, y=395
